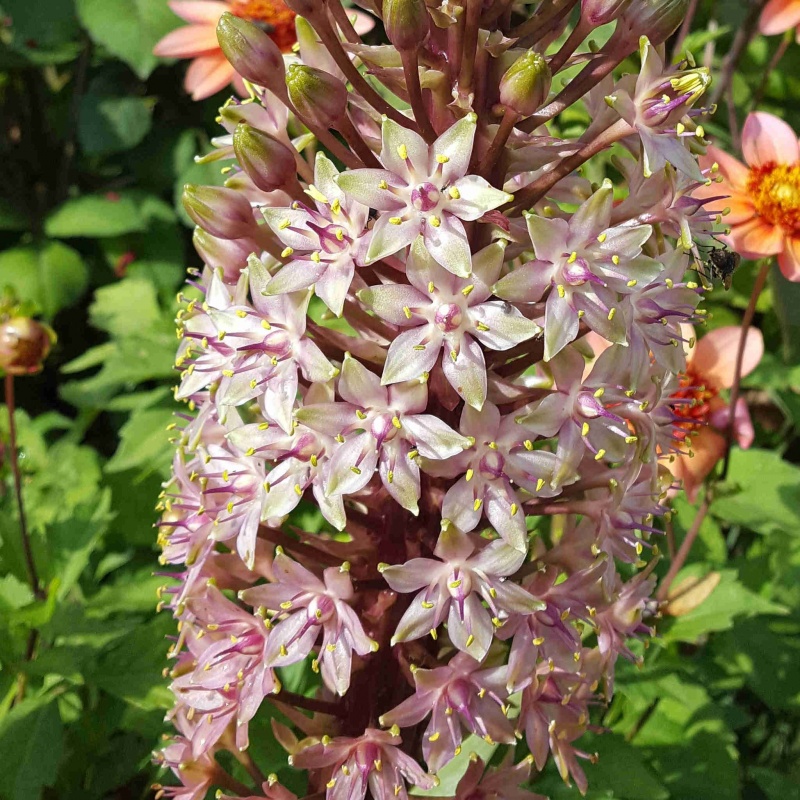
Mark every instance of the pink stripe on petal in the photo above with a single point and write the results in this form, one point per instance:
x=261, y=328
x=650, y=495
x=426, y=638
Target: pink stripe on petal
x=207, y=75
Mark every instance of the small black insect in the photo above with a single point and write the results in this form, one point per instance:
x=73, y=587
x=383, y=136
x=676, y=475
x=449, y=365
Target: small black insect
x=721, y=263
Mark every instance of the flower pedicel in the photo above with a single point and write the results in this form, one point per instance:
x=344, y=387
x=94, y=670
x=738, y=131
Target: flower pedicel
x=389, y=328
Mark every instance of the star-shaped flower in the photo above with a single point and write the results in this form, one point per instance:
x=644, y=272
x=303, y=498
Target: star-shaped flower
x=424, y=190
x=445, y=312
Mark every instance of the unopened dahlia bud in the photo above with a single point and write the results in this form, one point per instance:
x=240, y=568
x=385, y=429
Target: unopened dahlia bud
x=318, y=96
x=222, y=212
x=24, y=345
x=268, y=163
x=601, y=12
x=251, y=52
x=526, y=84
x=406, y=22
x=655, y=19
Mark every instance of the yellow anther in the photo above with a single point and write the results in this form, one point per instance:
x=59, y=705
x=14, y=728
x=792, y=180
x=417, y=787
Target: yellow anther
x=402, y=151
x=435, y=222
x=286, y=252
x=396, y=220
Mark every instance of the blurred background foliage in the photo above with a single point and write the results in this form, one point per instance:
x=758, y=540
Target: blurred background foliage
x=96, y=141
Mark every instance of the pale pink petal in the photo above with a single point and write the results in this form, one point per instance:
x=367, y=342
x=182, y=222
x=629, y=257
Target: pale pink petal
x=714, y=357
x=757, y=238
x=200, y=11
x=207, y=75
x=742, y=425
x=769, y=140
x=187, y=42
x=789, y=259
x=362, y=23
x=779, y=16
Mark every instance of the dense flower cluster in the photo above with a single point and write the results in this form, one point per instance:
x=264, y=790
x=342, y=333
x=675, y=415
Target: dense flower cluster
x=430, y=326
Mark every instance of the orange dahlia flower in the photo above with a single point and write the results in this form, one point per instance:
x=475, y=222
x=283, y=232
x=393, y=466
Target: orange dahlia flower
x=780, y=16
x=763, y=197
x=210, y=71
x=711, y=368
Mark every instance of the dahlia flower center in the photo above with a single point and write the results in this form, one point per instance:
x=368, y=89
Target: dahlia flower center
x=448, y=317
x=775, y=192
x=272, y=16
x=425, y=197
x=692, y=401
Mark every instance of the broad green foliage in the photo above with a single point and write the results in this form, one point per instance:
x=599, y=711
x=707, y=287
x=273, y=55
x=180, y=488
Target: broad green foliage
x=96, y=142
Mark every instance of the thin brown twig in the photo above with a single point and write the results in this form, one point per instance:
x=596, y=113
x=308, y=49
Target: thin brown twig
x=686, y=547
x=747, y=321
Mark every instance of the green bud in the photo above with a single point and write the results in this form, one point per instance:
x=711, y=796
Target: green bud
x=318, y=96
x=526, y=84
x=267, y=162
x=251, y=52
x=406, y=22
x=655, y=19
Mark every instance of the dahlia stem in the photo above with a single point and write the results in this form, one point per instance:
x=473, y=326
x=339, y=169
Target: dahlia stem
x=742, y=39
x=414, y=88
x=685, y=548
x=27, y=550
x=541, y=186
x=788, y=38
x=747, y=321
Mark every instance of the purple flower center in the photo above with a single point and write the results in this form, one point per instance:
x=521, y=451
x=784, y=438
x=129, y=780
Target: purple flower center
x=448, y=317
x=425, y=197
x=577, y=272
x=332, y=238
x=320, y=609
x=491, y=464
x=383, y=429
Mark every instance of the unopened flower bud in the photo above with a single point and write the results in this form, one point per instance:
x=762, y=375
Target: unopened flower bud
x=305, y=8
x=222, y=212
x=24, y=345
x=229, y=254
x=406, y=22
x=655, y=19
x=251, y=52
x=526, y=84
x=267, y=162
x=601, y=12
x=318, y=96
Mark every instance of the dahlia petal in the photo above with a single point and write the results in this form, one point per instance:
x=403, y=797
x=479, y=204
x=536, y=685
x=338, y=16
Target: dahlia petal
x=207, y=75
x=779, y=16
x=733, y=171
x=708, y=448
x=188, y=42
x=766, y=139
x=714, y=356
x=199, y=11
x=789, y=258
x=758, y=238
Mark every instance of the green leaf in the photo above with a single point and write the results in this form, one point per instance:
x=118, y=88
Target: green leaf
x=144, y=442
x=765, y=492
x=31, y=741
x=42, y=32
x=50, y=277
x=128, y=28
x=14, y=593
x=730, y=599
x=99, y=216
x=11, y=218
x=111, y=124
x=774, y=785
